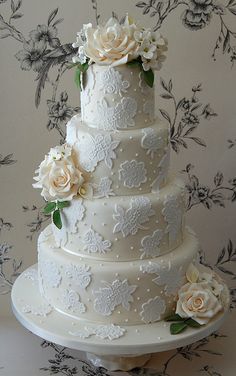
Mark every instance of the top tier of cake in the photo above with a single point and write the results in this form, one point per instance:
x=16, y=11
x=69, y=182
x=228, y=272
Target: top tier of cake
x=116, y=98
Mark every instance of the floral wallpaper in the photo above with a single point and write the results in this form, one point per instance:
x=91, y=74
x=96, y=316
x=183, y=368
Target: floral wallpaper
x=196, y=96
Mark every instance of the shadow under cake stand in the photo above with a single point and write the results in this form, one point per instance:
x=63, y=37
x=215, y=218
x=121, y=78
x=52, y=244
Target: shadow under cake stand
x=134, y=349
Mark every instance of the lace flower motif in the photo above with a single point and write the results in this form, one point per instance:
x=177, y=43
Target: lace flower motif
x=148, y=109
x=96, y=149
x=150, y=244
x=71, y=301
x=111, y=296
x=50, y=273
x=120, y=116
x=103, y=189
x=162, y=171
x=94, y=243
x=166, y=275
x=173, y=216
x=152, y=310
x=80, y=274
x=37, y=310
x=151, y=141
x=32, y=275
x=132, y=173
x=110, y=332
x=111, y=82
x=132, y=219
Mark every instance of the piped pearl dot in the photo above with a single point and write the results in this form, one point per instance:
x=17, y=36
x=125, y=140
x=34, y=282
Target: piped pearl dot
x=138, y=297
x=139, y=111
x=112, y=173
x=165, y=325
x=131, y=247
x=121, y=150
x=117, y=187
x=101, y=264
x=117, y=274
x=148, y=290
x=135, y=310
x=135, y=89
x=104, y=224
x=89, y=300
x=150, y=163
x=140, y=189
x=118, y=312
x=117, y=256
x=126, y=320
x=93, y=213
x=154, y=171
x=116, y=239
x=113, y=99
x=136, y=155
x=159, y=338
x=138, y=279
x=137, y=331
x=131, y=73
x=145, y=120
x=131, y=137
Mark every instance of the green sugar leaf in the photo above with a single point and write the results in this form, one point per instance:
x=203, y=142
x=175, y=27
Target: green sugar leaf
x=63, y=204
x=49, y=207
x=84, y=67
x=175, y=317
x=178, y=327
x=57, y=219
x=149, y=77
x=192, y=323
x=78, y=77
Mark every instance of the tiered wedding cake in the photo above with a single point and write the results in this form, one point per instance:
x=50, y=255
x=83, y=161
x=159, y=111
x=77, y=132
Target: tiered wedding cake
x=118, y=251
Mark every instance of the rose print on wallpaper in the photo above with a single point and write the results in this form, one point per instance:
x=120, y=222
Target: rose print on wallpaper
x=196, y=15
x=187, y=115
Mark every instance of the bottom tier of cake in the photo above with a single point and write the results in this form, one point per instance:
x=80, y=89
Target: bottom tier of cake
x=136, y=292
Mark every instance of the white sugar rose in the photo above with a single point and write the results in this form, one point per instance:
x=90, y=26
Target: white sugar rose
x=196, y=300
x=111, y=44
x=58, y=176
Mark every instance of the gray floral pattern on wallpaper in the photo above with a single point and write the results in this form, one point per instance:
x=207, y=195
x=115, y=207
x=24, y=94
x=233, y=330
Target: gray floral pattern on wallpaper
x=42, y=51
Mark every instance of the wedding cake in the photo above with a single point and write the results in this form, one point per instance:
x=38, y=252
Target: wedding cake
x=118, y=252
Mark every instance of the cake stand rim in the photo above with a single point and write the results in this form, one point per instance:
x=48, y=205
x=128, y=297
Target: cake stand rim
x=112, y=347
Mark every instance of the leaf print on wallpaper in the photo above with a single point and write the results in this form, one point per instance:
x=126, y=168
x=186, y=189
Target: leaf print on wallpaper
x=188, y=113
x=196, y=15
x=132, y=219
x=201, y=194
x=7, y=160
x=111, y=296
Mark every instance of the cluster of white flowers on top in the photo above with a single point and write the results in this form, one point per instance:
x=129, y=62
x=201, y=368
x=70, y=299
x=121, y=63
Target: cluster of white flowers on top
x=58, y=175
x=202, y=297
x=115, y=44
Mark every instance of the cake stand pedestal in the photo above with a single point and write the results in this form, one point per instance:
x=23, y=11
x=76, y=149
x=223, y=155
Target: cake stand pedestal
x=134, y=349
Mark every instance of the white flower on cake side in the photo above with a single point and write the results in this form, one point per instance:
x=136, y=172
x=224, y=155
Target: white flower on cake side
x=60, y=179
x=132, y=219
x=112, y=83
x=151, y=141
x=132, y=173
x=151, y=244
x=111, y=296
x=94, y=243
x=50, y=273
x=109, y=332
x=103, y=188
x=71, y=301
x=79, y=275
x=153, y=309
x=199, y=300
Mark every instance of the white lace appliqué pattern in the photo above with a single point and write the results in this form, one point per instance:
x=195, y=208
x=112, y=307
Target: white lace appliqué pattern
x=111, y=82
x=103, y=189
x=166, y=275
x=118, y=117
x=96, y=149
x=80, y=274
x=50, y=273
x=132, y=219
x=173, y=216
x=32, y=275
x=150, y=244
x=151, y=141
x=132, y=173
x=148, y=109
x=111, y=296
x=162, y=171
x=110, y=332
x=37, y=310
x=152, y=310
x=94, y=243
x=71, y=301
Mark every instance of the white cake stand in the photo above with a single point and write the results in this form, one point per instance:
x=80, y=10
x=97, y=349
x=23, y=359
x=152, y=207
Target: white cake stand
x=132, y=350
